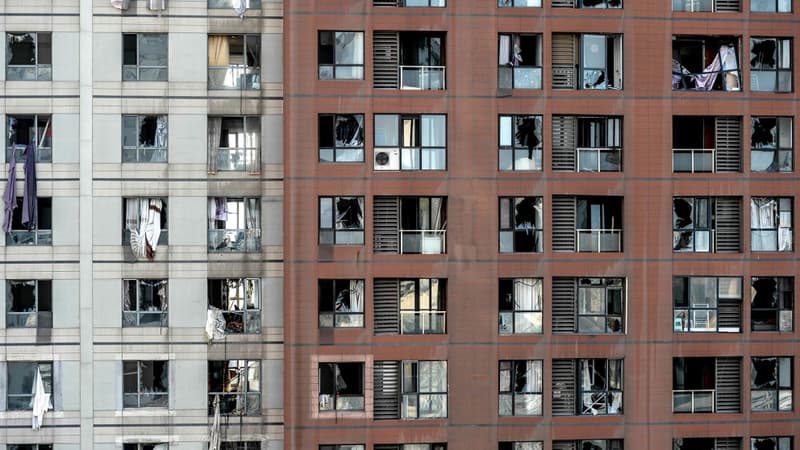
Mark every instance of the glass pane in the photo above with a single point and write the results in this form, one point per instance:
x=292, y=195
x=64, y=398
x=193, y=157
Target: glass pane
x=153, y=50
x=386, y=130
x=594, y=51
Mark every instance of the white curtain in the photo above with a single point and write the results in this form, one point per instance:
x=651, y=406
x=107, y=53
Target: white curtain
x=527, y=294
x=356, y=295
x=730, y=67
x=252, y=214
x=214, y=131
x=505, y=50
x=143, y=219
x=763, y=217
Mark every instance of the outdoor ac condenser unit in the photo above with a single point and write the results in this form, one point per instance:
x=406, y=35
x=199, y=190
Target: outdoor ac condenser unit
x=387, y=159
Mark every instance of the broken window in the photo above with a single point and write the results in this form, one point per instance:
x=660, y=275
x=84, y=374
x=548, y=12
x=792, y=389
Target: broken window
x=600, y=386
x=519, y=3
x=144, y=303
x=237, y=383
x=520, y=61
x=29, y=56
x=706, y=443
x=145, y=384
x=423, y=225
x=152, y=446
x=342, y=447
x=521, y=445
x=598, y=224
x=520, y=305
x=144, y=138
x=421, y=60
x=601, y=60
x=24, y=130
x=410, y=142
x=341, y=55
x=21, y=378
x=521, y=143
x=341, y=220
x=771, y=224
x=521, y=224
x=593, y=444
x=771, y=443
x=599, y=4
x=234, y=61
x=780, y=6
x=238, y=300
x=341, y=303
x=145, y=225
x=341, y=138
x=772, y=303
x=423, y=306
x=601, y=305
x=706, y=304
x=436, y=446
x=29, y=303
x=424, y=389
x=144, y=57
x=341, y=386
x=521, y=388
x=771, y=144
x=771, y=64
x=692, y=224
x=693, y=385
x=419, y=3
x=38, y=231
x=706, y=5
x=234, y=144
x=705, y=63
x=771, y=383
x=234, y=224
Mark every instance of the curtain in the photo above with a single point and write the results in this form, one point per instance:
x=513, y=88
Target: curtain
x=763, y=214
x=252, y=214
x=438, y=221
x=527, y=294
x=161, y=132
x=705, y=81
x=218, y=51
x=146, y=215
x=505, y=50
x=349, y=213
x=356, y=295
x=214, y=132
x=730, y=67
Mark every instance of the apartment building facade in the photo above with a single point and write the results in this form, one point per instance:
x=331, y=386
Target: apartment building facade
x=524, y=224
x=148, y=295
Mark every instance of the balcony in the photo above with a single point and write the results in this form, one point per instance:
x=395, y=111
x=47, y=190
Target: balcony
x=599, y=240
x=422, y=77
x=599, y=159
x=234, y=76
x=426, y=242
x=693, y=160
x=423, y=322
x=693, y=401
x=234, y=241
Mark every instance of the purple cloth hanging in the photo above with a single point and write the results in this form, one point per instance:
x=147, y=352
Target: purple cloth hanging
x=10, y=196
x=30, y=213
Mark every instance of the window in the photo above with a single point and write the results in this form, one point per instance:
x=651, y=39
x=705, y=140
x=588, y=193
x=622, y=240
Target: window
x=234, y=61
x=771, y=64
x=601, y=305
x=145, y=225
x=436, y=446
x=144, y=57
x=423, y=306
x=781, y=6
x=420, y=140
x=519, y=3
x=341, y=303
x=24, y=130
x=705, y=63
x=144, y=303
x=341, y=55
x=341, y=386
x=706, y=144
x=341, y=220
x=593, y=444
x=21, y=378
x=600, y=386
x=30, y=304
x=771, y=443
x=771, y=224
x=33, y=447
x=771, y=383
x=521, y=445
x=521, y=388
x=423, y=225
x=599, y=4
x=520, y=305
x=706, y=385
x=693, y=224
x=599, y=144
x=32, y=231
x=341, y=138
x=771, y=144
x=422, y=60
x=234, y=225
x=598, y=224
x=145, y=384
x=29, y=56
x=706, y=6
x=520, y=61
x=144, y=138
x=342, y=447
x=520, y=143
x=237, y=301
x=422, y=3
x=601, y=60
x=772, y=303
x=228, y=4
x=706, y=304
x=241, y=445
x=424, y=389
x=234, y=144
x=237, y=384
x=521, y=225
x=152, y=446
x=706, y=443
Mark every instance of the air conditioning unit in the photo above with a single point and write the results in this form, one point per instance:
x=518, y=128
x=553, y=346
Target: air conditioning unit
x=157, y=5
x=387, y=159
x=120, y=4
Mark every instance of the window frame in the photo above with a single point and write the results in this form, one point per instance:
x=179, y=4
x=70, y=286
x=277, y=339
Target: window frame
x=781, y=442
x=332, y=315
x=39, y=315
x=251, y=395
x=776, y=7
x=608, y=285
x=509, y=212
x=605, y=3
x=234, y=75
x=780, y=41
x=509, y=316
x=44, y=153
x=159, y=154
x=780, y=391
x=29, y=446
x=418, y=311
x=607, y=83
x=779, y=152
x=612, y=132
x=244, y=213
x=608, y=392
x=504, y=75
x=520, y=445
x=340, y=148
x=681, y=313
x=784, y=316
x=240, y=306
x=163, y=238
x=228, y=158
x=709, y=229
x=784, y=209
x=442, y=4
x=425, y=155
x=332, y=224
x=42, y=71
x=411, y=390
x=162, y=72
x=240, y=445
x=342, y=447
x=331, y=402
x=27, y=396
x=144, y=396
x=607, y=444
x=509, y=147
x=518, y=3
x=324, y=66
x=227, y=4
x=37, y=235
x=145, y=446
x=508, y=387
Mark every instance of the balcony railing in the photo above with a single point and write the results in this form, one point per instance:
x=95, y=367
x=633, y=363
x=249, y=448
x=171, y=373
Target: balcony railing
x=693, y=401
x=238, y=159
x=32, y=319
x=423, y=322
x=24, y=237
x=519, y=77
x=520, y=322
x=144, y=318
x=426, y=242
x=343, y=402
x=599, y=159
x=235, y=76
x=236, y=403
x=43, y=154
x=694, y=160
x=145, y=400
x=242, y=321
x=599, y=240
x=30, y=73
x=430, y=78
x=695, y=320
x=234, y=241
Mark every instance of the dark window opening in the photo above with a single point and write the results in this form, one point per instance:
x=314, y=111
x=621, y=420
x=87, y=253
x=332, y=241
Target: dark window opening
x=341, y=386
